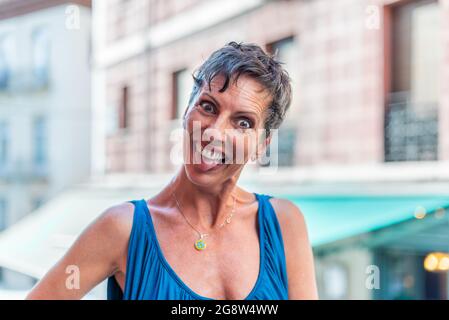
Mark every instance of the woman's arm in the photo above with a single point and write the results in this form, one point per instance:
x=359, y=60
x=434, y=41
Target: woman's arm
x=93, y=257
x=298, y=251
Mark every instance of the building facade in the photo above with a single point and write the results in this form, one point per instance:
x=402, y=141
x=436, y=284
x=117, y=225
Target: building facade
x=45, y=114
x=369, y=76
x=370, y=106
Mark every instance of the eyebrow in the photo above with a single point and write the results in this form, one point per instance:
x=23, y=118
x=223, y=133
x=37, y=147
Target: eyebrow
x=239, y=112
x=215, y=101
x=255, y=115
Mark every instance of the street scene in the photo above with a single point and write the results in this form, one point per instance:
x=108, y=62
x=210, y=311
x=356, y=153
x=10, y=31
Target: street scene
x=92, y=98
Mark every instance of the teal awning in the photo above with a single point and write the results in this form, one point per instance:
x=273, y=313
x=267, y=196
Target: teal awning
x=331, y=218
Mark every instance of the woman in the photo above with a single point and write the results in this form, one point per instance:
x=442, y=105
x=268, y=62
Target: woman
x=202, y=236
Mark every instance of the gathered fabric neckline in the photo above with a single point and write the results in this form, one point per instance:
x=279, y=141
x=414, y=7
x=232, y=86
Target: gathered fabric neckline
x=178, y=279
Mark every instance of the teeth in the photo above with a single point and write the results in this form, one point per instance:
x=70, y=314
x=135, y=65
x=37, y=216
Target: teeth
x=211, y=155
x=215, y=156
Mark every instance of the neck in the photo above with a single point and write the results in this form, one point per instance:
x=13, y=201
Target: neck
x=205, y=208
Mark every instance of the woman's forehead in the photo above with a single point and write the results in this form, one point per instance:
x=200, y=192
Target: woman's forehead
x=245, y=92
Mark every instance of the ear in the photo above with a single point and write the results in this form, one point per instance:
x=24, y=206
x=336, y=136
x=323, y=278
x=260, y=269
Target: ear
x=184, y=117
x=263, y=145
x=267, y=140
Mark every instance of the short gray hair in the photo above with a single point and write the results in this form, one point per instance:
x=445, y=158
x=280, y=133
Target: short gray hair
x=235, y=59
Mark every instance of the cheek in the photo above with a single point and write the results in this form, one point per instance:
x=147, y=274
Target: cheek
x=242, y=146
x=194, y=120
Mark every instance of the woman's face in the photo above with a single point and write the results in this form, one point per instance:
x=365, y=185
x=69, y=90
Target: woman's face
x=224, y=130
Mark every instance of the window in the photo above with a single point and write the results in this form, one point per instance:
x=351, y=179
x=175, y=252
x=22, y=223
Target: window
x=286, y=51
x=41, y=56
x=4, y=69
x=417, y=51
x=4, y=142
x=40, y=141
x=7, y=60
x=3, y=220
x=411, y=122
x=182, y=86
x=123, y=109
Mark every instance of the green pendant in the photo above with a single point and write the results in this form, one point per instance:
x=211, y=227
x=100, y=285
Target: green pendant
x=200, y=244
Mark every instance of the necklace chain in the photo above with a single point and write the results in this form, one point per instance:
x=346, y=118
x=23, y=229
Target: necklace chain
x=226, y=221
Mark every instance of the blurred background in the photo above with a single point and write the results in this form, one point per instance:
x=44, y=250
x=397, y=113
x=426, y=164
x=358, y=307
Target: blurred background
x=91, y=91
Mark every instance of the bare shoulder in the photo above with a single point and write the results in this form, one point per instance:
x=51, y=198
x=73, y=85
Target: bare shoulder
x=110, y=232
x=116, y=220
x=298, y=251
x=98, y=252
x=290, y=217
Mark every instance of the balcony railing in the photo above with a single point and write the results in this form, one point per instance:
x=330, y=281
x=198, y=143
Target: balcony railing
x=23, y=171
x=287, y=146
x=24, y=81
x=282, y=150
x=411, y=130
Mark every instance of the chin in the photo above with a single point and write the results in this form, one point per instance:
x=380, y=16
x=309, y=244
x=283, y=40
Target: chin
x=198, y=176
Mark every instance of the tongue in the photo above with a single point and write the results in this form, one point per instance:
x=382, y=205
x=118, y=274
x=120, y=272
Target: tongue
x=206, y=166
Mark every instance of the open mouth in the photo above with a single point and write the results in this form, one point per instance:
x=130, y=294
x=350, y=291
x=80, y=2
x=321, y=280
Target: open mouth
x=211, y=158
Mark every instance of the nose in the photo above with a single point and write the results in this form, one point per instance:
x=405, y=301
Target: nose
x=215, y=131
x=218, y=124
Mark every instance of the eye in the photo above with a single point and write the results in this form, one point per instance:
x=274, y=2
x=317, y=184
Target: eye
x=244, y=123
x=207, y=107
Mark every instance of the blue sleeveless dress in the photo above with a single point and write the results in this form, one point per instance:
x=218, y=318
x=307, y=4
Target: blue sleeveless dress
x=150, y=277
